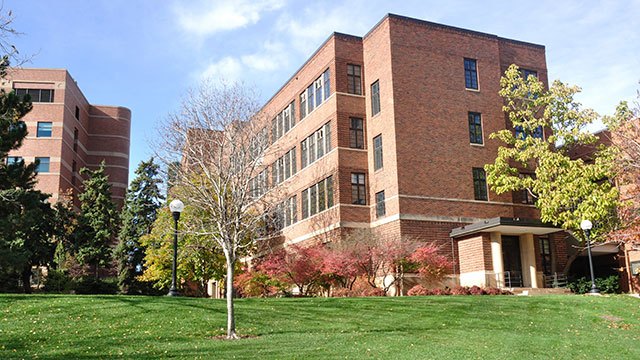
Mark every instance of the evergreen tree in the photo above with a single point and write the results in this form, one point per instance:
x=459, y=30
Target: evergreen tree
x=140, y=211
x=97, y=221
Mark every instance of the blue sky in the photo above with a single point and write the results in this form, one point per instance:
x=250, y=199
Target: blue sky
x=144, y=54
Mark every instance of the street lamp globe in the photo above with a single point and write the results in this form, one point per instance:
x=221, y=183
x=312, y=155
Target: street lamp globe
x=584, y=225
x=176, y=206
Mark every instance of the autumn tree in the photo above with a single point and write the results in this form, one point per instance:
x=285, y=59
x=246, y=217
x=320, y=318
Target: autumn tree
x=565, y=190
x=221, y=139
x=142, y=202
x=97, y=221
x=624, y=128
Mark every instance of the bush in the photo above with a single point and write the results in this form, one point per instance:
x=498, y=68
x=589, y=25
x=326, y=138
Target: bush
x=607, y=285
x=460, y=290
x=445, y=291
x=91, y=285
x=58, y=281
x=257, y=284
x=418, y=290
x=476, y=290
x=496, y=291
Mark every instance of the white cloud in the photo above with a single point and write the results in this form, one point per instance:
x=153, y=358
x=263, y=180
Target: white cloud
x=227, y=68
x=271, y=57
x=210, y=17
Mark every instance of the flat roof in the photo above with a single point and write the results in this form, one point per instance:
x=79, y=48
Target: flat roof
x=505, y=225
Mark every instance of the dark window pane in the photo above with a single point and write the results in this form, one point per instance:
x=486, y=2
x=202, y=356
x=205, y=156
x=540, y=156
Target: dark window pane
x=479, y=184
x=475, y=128
x=377, y=152
x=380, y=207
x=470, y=74
x=43, y=166
x=356, y=134
x=375, y=98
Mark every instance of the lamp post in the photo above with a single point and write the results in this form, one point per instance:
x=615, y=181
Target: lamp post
x=176, y=207
x=586, y=226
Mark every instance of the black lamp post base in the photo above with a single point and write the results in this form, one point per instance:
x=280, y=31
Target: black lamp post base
x=173, y=292
x=594, y=291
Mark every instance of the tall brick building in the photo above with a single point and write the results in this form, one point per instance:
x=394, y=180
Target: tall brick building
x=67, y=133
x=390, y=131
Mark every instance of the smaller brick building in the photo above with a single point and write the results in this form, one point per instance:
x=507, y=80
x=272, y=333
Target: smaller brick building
x=67, y=133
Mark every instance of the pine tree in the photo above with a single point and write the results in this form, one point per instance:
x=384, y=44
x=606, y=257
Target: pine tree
x=140, y=211
x=97, y=221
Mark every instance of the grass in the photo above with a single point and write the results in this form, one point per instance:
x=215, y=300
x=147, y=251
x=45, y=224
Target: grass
x=449, y=327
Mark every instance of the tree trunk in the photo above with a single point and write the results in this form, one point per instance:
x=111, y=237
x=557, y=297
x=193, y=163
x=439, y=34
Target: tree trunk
x=26, y=279
x=231, y=320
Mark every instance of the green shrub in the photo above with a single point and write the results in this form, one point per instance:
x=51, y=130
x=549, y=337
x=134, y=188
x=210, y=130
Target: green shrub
x=607, y=285
x=58, y=281
x=91, y=285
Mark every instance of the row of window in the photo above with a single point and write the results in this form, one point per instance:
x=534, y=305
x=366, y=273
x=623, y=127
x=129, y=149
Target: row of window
x=315, y=94
x=317, y=198
x=284, y=167
x=37, y=95
x=42, y=167
x=283, y=122
x=315, y=145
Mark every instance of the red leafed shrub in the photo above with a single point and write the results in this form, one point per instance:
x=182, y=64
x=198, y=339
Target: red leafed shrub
x=445, y=291
x=460, y=290
x=493, y=291
x=418, y=290
x=360, y=289
x=431, y=265
x=476, y=290
x=297, y=265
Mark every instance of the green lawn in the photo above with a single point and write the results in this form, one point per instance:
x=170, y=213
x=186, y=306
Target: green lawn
x=450, y=327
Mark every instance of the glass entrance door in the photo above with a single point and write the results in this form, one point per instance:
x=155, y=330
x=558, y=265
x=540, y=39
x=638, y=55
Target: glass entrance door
x=511, y=261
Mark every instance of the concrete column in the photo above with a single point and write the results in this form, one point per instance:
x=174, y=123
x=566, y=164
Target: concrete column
x=497, y=260
x=528, y=257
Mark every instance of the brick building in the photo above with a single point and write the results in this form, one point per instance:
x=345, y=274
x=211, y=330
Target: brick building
x=67, y=133
x=390, y=131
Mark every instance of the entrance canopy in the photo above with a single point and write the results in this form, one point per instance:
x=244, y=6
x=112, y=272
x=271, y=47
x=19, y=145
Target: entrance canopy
x=506, y=226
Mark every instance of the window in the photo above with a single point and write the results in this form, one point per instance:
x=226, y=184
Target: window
x=290, y=211
x=377, y=152
x=375, y=98
x=480, y=184
x=521, y=134
x=356, y=133
x=380, y=208
x=305, y=204
x=283, y=122
x=524, y=196
x=37, y=95
x=527, y=72
x=354, y=79
x=303, y=106
x=75, y=140
x=258, y=185
x=317, y=198
x=43, y=166
x=475, y=128
x=44, y=129
x=316, y=145
x=77, y=113
x=358, y=189
x=545, y=255
x=284, y=167
x=315, y=94
x=470, y=74
x=14, y=160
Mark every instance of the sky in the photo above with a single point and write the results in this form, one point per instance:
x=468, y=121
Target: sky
x=145, y=54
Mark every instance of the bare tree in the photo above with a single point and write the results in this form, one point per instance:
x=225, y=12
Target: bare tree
x=220, y=137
